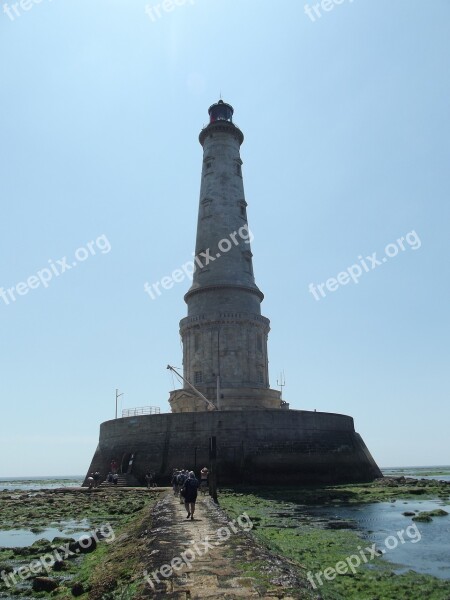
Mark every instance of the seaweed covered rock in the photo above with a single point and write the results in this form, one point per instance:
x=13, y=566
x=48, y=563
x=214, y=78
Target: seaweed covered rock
x=44, y=584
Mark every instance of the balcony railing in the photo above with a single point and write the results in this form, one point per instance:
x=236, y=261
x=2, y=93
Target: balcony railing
x=141, y=410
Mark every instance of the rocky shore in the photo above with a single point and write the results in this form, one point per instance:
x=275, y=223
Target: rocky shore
x=119, y=543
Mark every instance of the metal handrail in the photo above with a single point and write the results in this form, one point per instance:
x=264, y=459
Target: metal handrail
x=141, y=410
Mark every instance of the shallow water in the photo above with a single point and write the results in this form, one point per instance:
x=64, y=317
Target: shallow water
x=436, y=473
x=15, y=538
x=425, y=547
x=39, y=483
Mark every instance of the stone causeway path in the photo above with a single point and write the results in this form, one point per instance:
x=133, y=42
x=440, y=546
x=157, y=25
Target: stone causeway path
x=209, y=556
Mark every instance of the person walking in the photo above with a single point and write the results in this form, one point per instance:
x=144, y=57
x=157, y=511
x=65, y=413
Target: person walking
x=96, y=478
x=175, y=474
x=204, y=480
x=190, y=494
x=180, y=482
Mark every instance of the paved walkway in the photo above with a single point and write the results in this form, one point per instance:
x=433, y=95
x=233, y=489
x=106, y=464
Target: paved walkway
x=209, y=554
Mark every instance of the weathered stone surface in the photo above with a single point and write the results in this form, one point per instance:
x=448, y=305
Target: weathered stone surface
x=261, y=446
x=224, y=335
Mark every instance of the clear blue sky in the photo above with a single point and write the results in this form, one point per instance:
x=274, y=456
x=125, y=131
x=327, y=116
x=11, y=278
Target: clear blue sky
x=346, y=123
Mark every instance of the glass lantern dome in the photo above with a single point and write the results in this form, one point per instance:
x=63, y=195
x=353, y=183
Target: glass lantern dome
x=221, y=111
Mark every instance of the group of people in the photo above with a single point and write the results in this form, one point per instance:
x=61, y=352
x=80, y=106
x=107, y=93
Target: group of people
x=112, y=478
x=93, y=480
x=150, y=479
x=185, y=485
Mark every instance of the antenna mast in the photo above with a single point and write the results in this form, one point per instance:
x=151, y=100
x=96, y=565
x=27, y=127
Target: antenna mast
x=281, y=383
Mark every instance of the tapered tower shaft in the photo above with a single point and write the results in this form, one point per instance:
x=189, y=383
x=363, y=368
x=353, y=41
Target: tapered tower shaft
x=224, y=335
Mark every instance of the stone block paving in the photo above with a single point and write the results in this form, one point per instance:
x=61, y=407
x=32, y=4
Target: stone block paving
x=215, y=567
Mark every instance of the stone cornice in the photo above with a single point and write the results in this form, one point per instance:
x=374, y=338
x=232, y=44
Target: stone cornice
x=221, y=286
x=221, y=127
x=226, y=317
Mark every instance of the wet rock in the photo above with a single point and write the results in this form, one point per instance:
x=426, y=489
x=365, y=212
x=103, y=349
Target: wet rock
x=340, y=525
x=84, y=545
x=425, y=516
x=62, y=541
x=438, y=512
x=408, y=513
x=4, y=568
x=77, y=589
x=44, y=584
x=422, y=518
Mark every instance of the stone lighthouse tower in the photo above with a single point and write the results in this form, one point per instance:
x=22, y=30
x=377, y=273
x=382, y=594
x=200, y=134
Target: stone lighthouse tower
x=226, y=392
x=224, y=335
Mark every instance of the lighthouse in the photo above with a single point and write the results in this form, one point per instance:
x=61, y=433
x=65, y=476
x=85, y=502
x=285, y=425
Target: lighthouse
x=224, y=335
x=226, y=393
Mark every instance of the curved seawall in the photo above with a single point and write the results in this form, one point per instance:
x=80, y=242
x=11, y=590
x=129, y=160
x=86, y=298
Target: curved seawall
x=262, y=446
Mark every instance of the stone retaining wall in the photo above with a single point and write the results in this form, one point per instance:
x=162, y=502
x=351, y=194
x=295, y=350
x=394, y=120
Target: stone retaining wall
x=260, y=446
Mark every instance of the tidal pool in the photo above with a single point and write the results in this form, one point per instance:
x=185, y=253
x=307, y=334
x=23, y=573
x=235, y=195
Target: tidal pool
x=426, y=546
x=21, y=538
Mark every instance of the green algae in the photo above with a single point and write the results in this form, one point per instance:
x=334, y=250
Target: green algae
x=40, y=510
x=120, y=508
x=438, y=512
x=426, y=516
x=280, y=525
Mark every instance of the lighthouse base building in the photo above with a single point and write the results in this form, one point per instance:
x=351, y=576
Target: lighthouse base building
x=226, y=395
x=267, y=446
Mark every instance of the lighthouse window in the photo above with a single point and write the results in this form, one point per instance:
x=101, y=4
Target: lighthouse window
x=208, y=165
x=206, y=208
x=239, y=170
x=242, y=208
x=198, y=377
x=248, y=262
x=197, y=342
x=260, y=376
x=259, y=344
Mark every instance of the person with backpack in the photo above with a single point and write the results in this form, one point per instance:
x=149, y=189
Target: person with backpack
x=180, y=482
x=190, y=494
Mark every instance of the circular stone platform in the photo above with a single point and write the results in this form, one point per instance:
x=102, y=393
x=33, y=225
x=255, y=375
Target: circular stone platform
x=278, y=447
